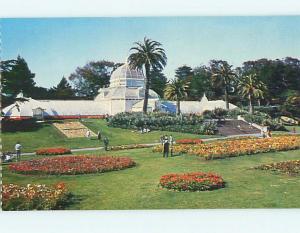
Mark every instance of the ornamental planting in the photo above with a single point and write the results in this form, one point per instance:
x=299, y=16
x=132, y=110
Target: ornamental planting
x=195, y=181
x=72, y=165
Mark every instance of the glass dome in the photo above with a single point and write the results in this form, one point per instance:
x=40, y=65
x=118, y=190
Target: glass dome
x=126, y=77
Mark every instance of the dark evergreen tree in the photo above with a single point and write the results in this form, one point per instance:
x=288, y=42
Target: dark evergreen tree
x=184, y=72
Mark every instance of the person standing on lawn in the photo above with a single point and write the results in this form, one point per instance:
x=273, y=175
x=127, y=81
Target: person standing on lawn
x=18, y=148
x=106, y=142
x=88, y=134
x=171, y=140
x=166, y=147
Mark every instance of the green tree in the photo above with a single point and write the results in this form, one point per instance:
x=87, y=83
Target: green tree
x=63, y=90
x=184, y=72
x=148, y=55
x=158, y=82
x=16, y=78
x=252, y=88
x=176, y=90
x=222, y=76
x=88, y=79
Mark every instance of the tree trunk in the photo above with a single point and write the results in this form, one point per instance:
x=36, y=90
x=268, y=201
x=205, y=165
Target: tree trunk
x=178, y=107
x=251, y=107
x=226, y=98
x=147, y=85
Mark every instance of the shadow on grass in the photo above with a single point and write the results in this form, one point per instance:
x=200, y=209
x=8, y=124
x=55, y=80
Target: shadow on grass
x=69, y=200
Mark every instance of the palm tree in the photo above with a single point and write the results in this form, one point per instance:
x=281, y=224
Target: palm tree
x=222, y=75
x=176, y=90
x=252, y=88
x=148, y=55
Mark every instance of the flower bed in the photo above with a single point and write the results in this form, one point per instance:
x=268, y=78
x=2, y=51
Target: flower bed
x=127, y=147
x=289, y=167
x=53, y=151
x=232, y=148
x=189, y=141
x=72, y=165
x=195, y=181
x=33, y=197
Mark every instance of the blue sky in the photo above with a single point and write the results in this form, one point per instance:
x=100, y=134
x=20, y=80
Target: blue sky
x=54, y=47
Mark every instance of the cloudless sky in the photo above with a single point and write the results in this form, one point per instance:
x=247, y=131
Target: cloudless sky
x=54, y=47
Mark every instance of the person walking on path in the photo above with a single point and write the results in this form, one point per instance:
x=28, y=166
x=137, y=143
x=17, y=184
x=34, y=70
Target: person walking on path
x=106, y=142
x=18, y=148
x=166, y=147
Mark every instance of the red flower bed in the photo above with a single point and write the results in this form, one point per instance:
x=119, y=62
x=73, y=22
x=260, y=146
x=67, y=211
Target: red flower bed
x=34, y=197
x=72, y=165
x=53, y=151
x=189, y=141
x=195, y=181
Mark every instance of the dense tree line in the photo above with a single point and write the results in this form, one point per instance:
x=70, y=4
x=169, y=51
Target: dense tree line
x=255, y=83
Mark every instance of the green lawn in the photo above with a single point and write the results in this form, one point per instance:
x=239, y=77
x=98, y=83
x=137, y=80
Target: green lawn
x=137, y=188
x=49, y=136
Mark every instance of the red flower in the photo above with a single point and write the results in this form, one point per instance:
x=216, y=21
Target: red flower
x=53, y=151
x=195, y=181
x=189, y=141
x=71, y=165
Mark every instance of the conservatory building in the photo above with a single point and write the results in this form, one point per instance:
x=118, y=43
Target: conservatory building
x=124, y=94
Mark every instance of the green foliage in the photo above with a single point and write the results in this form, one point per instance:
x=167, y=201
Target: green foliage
x=88, y=79
x=9, y=125
x=149, y=55
x=158, y=82
x=62, y=91
x=163, y=121
x=184, y=72
x=16, y=77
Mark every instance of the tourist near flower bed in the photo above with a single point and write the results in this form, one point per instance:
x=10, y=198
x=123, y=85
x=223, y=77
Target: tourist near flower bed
x=34, y=197
x=53, y=151
x=189, y=141
x=72, y=165
x=231, y=148
x=195, y=181
x=289, y=167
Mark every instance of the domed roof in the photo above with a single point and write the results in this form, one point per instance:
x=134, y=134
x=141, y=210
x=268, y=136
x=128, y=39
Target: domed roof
x=124, y=76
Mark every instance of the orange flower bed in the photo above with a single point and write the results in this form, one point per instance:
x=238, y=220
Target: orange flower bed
x=189, y=141
x=33, y=197
x=291, y=167
x=195, y=181
x=53, y=151
x=232, y=148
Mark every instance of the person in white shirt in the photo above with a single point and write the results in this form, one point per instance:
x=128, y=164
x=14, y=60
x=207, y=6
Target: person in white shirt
x=88, y=134
x=18, y=148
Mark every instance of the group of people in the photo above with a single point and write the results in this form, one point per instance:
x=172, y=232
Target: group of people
x=167, y=143
x=266, y=133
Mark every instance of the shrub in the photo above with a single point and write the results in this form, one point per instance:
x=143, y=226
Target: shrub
x=11, y=125
x=163, y=121
x=72, y=165
x=34, y=197
x=289, y=167
x=53, y=151
x=189, y=141
x=195, y=181
x=128, y=147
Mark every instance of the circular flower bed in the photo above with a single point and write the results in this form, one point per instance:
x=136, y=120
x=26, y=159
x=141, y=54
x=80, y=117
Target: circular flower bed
x=195, y=181
x=72, y=165
x=53, y=151
x=34, y=197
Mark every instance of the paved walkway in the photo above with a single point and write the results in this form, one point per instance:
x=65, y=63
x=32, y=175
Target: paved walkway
x=157, y=143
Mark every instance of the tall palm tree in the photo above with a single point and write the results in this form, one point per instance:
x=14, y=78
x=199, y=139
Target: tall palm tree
x=222, y=75
x=148, y=55
x=176, y=90
x=252, y=88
